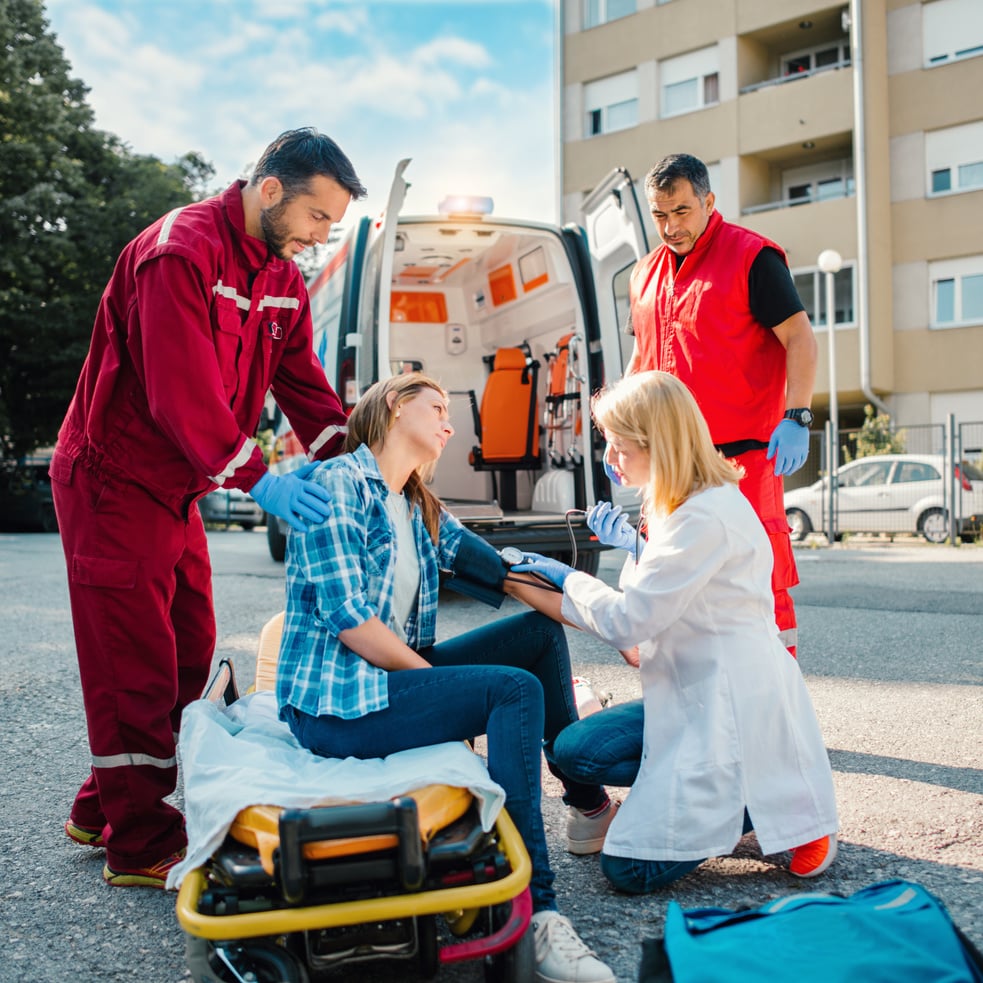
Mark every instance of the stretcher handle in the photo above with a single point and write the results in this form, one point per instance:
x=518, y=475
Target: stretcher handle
x=301, y=826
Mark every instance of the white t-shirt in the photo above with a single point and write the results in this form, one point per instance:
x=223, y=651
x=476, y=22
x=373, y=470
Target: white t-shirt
x=406, y=585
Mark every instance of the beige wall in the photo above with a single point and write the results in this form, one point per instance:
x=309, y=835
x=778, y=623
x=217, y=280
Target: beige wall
x=939, y=361
x=670, y=29
x=806, y=230
x=806, y=109
x=933, y=98
x=937, y=228
x=709, y=134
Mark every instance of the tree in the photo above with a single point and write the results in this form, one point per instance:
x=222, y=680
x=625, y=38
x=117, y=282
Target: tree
x=71, y=197
x=876, y=436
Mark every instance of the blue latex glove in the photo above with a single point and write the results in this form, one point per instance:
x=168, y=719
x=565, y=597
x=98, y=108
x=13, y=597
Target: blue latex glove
x=608, y=470
x=292, y=497
x=789, y=446
x=552, y=570
x=611, y=526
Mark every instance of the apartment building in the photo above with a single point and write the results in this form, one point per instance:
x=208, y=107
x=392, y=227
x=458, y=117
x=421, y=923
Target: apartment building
x=855, y=127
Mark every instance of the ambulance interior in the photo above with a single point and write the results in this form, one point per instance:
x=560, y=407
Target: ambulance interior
x=492, y=311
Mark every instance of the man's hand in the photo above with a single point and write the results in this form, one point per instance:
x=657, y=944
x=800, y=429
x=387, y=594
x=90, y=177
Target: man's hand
x=611, y=526
x=789, y=446
x=292, y=497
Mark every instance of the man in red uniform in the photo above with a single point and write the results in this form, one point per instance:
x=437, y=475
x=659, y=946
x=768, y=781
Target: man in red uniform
x=715, y=305
x=204, y=313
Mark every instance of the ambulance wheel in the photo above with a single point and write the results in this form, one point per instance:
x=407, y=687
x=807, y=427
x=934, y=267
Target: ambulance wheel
x=515, y=965
x=265, y=961
x=587, y=560
x=426, y=940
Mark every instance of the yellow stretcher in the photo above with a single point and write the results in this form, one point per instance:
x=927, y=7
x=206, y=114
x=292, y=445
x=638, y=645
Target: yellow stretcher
x=294, y=893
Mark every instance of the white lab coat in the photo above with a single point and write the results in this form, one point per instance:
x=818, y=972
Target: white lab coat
x=728, y=720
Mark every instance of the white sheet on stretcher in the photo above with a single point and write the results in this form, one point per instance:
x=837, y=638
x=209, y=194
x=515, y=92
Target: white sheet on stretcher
x=243, y=755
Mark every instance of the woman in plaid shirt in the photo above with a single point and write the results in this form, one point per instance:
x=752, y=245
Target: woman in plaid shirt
x=359, y=674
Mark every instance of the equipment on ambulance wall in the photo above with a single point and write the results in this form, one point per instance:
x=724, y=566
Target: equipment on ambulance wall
x=562, y=415
x=507, y=425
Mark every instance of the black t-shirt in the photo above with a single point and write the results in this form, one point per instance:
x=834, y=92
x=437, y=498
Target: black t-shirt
x=771, y=292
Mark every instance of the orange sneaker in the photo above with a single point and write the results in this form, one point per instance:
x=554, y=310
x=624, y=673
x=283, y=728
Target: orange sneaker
x=86, y=835
x=152, y=876
x=811, y=859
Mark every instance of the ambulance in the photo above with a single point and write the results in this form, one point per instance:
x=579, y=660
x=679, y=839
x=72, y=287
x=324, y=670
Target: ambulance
x=520, y=322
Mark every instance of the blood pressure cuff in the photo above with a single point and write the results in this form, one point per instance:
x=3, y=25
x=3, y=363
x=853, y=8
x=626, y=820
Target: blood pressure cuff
x=478, y=571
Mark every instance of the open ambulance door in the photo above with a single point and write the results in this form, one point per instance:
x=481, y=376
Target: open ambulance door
x=371, y=336
x=616, y=239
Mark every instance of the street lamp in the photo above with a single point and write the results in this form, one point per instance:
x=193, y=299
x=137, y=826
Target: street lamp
x=830, y=262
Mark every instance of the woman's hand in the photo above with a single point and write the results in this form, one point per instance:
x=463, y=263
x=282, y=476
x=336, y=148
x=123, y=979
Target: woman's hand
x=611, y=526
x=630, y=656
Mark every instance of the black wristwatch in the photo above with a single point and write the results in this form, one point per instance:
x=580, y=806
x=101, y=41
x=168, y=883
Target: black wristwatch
x=803, y=417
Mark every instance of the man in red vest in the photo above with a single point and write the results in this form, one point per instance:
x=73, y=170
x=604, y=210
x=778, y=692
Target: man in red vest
x=715, y=305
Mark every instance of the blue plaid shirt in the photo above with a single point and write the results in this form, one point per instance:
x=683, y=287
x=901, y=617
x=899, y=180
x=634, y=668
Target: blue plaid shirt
x=340, y=573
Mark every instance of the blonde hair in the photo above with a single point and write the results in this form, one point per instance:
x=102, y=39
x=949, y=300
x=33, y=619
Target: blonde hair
x=656, y=411
x=370, y=423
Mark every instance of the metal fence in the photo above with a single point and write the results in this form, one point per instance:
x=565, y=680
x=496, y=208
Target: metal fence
x=931, y=485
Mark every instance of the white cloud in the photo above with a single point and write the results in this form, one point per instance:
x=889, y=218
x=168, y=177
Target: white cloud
x=245, y=73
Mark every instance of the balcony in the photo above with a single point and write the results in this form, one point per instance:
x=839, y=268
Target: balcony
x=815, y=108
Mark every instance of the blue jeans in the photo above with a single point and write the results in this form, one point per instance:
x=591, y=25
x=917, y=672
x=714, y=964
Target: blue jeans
x=510, y=680
x=606, y=748
x=643, y=876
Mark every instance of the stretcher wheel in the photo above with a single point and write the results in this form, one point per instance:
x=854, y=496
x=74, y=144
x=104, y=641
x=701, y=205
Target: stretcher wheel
x=515, y=965
x=265, y=962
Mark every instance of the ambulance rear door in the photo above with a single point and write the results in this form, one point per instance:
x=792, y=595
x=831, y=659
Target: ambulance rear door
x=615, y=231
x=616, y=238
x=370, y=337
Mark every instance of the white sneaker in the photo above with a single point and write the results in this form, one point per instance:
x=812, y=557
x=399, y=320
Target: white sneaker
x=561, y=954
x=585, y=834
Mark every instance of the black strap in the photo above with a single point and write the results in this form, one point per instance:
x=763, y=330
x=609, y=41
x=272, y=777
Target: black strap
x=737, y=447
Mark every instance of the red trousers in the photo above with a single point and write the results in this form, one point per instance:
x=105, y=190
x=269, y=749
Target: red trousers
x=766, y=493
x=139, y=580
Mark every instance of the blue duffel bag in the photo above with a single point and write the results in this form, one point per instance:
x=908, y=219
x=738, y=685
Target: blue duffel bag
x=894, y=931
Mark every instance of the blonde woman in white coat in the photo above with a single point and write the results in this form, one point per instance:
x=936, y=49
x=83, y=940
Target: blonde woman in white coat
x=730, y=736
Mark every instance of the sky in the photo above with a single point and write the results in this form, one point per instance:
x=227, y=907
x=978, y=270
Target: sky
x=463, y=87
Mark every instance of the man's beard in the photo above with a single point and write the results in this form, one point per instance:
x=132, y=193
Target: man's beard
x=275, y=230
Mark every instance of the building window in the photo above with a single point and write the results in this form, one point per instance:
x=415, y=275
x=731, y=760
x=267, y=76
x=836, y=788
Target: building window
x=690, y=81
x=818, y=182
x=601, y=11
x=957, y=292
x=611, y=104
x=804, y=62
x=952, y=29
x=811, y=285
x=954, y=158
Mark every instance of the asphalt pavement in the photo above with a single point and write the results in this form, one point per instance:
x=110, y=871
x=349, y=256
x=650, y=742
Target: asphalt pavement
x=891, y=645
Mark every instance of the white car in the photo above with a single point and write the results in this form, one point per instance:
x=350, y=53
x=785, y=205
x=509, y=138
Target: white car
x=227, y=505
x=890, y=493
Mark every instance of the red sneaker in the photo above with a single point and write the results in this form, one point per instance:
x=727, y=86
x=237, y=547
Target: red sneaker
x=813, y=858
x=152, y=876
x=85, y=835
